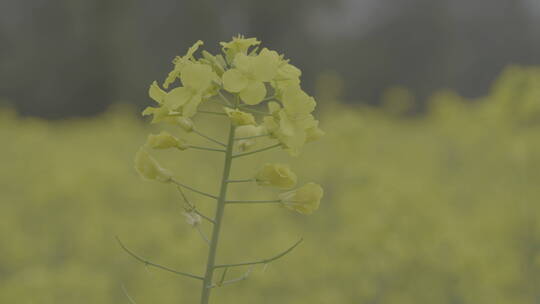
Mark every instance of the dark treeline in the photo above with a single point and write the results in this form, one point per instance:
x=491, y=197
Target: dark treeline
x=64, y=58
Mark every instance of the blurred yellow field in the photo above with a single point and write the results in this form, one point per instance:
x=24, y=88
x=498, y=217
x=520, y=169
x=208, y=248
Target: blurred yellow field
x=442, y=207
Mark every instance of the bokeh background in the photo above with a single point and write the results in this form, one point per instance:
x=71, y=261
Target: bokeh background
x=431, y=162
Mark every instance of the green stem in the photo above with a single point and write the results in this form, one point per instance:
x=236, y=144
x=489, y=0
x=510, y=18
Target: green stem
x=208, y=137
x=149, y=263
x=245, y=108
x=247, y=180
x=228, y=103
x=207, y=282
x=179, y=184
x=253, y=202
x=212, y=112
x=264, y=261
x=191, y=207
x=250, y=137
x=205, y=148
x=256, y=151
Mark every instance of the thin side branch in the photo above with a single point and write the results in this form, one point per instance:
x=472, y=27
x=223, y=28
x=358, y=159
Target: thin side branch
x=239, y=279
x=250, y=137
x=209, y=138
x=130, y=299
x=256, y=151
x=269, y=98
x=203, y=236
x=225, y=99
x=192, y=207
x=219, y=102
x=223, y=275
x=206, y=148
x=245, y=108
x=253, y=202
x=265, y=261
x=149, y=263
x=193, y=189
x=212, y=112
x=247, y=180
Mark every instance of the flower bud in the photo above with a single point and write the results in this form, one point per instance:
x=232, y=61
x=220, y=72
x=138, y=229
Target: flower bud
x=239, y=118
x=276, y=175
x=305, y=199
x=164, y=140
x=185, y=123
x=149, y=169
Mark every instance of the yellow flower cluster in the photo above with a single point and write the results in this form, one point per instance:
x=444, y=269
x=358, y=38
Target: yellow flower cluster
x=251, y=76
x=255, y=76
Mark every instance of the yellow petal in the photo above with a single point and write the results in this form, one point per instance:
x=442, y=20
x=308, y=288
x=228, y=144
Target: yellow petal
x=305, y=199
x=239, y=118
x=164, y=140
x=177, y=97
x=190, y=109
x=265, y=65
x=156, y=93
x=149, y=169
x=198, y=76
x=254, y=93
x=234, y=81
x=276, y=175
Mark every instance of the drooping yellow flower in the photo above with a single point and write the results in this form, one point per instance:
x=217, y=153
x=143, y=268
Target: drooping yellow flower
x=149, y=169
x=291, y=133
x=239, y=118
x=305, y=199
x=249, y=75
x=293, y=125
x=164, y=140
x=287, y=75
x=276, y=175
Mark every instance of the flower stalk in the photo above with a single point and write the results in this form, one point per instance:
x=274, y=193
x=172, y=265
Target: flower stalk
x=218, y=219
x=246, y=76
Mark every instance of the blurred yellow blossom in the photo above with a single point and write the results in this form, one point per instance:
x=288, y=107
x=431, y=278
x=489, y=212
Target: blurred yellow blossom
x=164, y=140
x=276, y=175
x=149, y=169
x=305, y=199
